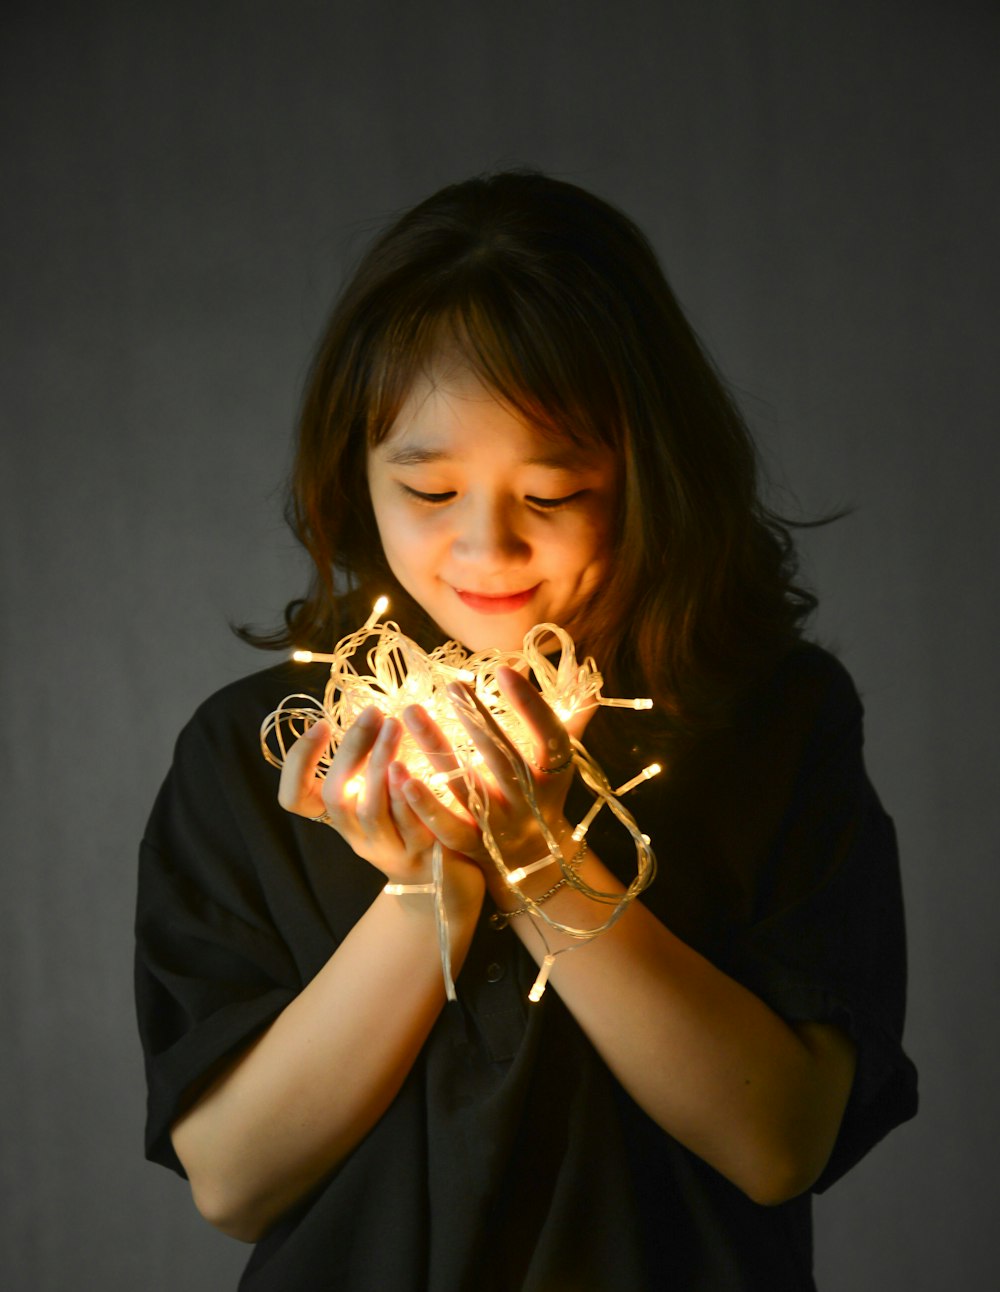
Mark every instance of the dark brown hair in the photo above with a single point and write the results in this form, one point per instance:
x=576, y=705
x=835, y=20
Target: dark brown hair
x=556, y=301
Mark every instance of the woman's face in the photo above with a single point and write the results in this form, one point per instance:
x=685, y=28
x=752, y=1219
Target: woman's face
x=491, y=525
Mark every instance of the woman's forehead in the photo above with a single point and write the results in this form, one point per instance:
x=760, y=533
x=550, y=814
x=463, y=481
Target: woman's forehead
x=450, y=405
x=450, y=391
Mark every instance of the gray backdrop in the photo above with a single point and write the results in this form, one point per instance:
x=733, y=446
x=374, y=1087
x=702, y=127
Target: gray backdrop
x=183, y=186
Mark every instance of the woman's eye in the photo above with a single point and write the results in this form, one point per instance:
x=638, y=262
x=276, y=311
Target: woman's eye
x=432, y=499
x=440, y=499
x=551, y=504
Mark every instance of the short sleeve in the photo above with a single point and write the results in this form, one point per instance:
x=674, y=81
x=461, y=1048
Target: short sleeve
x=210, y=968
x=827, y=943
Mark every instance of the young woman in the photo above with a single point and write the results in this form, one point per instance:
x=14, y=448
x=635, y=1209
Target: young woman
x=509, y=421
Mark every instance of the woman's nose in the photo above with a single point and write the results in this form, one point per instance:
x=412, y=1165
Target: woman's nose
x=489, y=532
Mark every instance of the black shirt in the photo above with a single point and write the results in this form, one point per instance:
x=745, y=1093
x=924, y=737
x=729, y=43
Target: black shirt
x=511, y=1160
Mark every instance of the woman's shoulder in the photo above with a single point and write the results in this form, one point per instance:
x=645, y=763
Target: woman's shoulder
x=264, y=684
x=810, y=688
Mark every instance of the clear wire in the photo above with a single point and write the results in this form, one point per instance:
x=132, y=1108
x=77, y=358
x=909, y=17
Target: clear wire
x=397, y=672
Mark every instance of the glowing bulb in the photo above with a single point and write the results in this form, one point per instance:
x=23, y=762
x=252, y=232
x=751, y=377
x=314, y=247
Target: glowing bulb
x=522, y=872
x=378, y=610
x=646, y=774
x=355, y=788
x=538, y=989
x=394, y=672
x=584, y=826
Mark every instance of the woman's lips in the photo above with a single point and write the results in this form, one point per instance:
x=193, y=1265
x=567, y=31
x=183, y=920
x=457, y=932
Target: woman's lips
x=496, y=605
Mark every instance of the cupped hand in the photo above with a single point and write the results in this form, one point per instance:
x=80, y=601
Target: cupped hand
x=363, y=797
x=546, y=772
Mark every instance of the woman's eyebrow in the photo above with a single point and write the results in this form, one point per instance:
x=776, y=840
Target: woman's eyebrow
x=409, y=455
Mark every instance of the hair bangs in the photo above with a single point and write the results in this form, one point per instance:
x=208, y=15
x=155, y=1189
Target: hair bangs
x=547, y=366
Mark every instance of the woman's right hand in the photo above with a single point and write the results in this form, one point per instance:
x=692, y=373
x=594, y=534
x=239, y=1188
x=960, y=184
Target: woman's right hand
x=361, y=796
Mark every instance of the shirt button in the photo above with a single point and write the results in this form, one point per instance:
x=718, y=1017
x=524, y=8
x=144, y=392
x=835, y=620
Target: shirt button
x=494, y=971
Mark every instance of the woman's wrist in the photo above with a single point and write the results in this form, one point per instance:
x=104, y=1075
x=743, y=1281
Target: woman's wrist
x=462, y=886
x=532, y=868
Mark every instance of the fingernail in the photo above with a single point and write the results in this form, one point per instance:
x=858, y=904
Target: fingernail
x=318, y=730
x=415, y=717
x=369, y=718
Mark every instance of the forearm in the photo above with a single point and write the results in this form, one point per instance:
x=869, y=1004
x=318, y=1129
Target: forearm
x=758, y=1099
x=288, y=1109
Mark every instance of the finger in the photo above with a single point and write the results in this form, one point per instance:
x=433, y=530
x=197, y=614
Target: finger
x=413, y=834
x=499, y=753
x=553, y=746
x=300, y=786
x=373, y=807
x=456, y=833
x=352, y=754
x=433, y=743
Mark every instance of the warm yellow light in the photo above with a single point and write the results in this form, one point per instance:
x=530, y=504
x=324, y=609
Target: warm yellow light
x=646, y=774
x=522, y=872
x=312, y=657
x=355, y=788
x=538, y=990
x=378, y=610
x=378, y=666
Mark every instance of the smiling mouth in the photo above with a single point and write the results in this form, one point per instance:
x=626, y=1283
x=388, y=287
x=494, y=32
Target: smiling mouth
x=488, y=604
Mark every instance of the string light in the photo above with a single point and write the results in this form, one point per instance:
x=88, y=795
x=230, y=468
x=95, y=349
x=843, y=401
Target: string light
x=646, y=774
x=514, y=877
x=399, y=674
x=538, y=987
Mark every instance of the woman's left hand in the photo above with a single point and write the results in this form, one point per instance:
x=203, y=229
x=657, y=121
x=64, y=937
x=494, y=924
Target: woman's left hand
x=548, y=770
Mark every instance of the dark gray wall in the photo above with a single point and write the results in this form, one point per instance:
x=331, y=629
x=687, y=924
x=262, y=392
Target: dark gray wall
x=183, y=184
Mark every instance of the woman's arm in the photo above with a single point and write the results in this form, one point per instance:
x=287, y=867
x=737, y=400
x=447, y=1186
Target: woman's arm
x=294, y=1104
x=758, y=1099
x=288, y=1108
